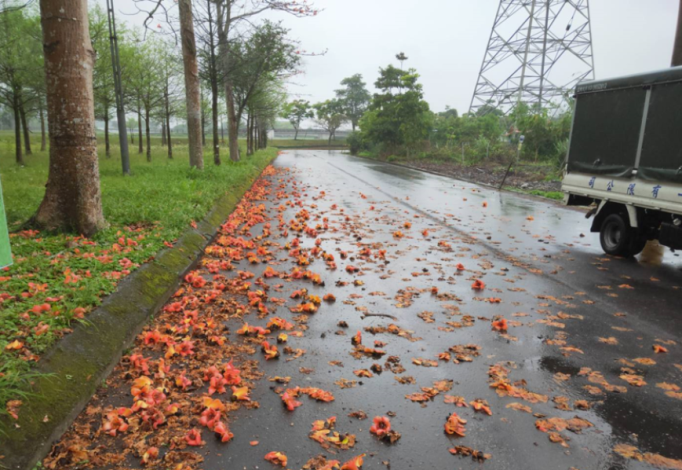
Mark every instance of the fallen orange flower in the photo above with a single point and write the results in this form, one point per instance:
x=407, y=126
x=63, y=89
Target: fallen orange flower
x=114, y=423
x=357, y=338
x=150, y=454
x=354, y=464
x=455, y=425
x=478, y=285
x=14, y=345
x=658, y=349
x=381, y=426
x=500, y=325
x=278, y=458
x=240, y=393
x=223, y=432
x=290, y=402
x=269, y=350
x=193, y=438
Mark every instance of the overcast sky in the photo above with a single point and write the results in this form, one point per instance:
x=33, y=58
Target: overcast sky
x=445, y=41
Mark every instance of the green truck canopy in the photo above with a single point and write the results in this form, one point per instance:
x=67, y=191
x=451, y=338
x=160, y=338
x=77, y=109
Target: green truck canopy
x=629, y=123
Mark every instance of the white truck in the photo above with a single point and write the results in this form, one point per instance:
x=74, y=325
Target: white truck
x=625, y=158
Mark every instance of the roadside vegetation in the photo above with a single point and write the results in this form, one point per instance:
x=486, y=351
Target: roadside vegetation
x=396, y=125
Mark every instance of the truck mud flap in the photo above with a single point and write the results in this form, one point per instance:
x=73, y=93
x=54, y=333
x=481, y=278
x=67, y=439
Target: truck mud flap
x=671, y=236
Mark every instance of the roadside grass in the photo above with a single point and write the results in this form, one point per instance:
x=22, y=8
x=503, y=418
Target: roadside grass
x=556, y=195
x=58, y=278
x=306, y=143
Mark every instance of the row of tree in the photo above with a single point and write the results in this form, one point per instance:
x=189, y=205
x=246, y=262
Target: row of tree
x=216, y=48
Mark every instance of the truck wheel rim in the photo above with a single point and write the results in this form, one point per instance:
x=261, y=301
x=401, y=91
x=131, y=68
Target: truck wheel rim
x=612, y=235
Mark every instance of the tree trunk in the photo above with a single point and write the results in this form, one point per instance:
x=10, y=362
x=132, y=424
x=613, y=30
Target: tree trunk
x=139, y=127
x=248, y=134
x=295, y=133
x=232, y=127
x=72, y=195
x=192, y=87
x=222, y=132
x=163, y=133
x=43, y=136
x=24, y=128
x=214, y=121
x=149, y=137
x=677, y=46
x=168, y=131
x=203, y=127
x=213, y=70
x=18, y=154
x=107, y=145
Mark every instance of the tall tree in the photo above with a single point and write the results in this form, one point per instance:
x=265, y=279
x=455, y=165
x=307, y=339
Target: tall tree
x=295, y=112
x=398, y=119
x=192, y=86
x=18, y=67
x=330, y=116
x=230, y=15
x=355, y=98
x=72, y=196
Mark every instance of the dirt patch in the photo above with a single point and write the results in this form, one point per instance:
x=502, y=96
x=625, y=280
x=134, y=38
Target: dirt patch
x=526, y=177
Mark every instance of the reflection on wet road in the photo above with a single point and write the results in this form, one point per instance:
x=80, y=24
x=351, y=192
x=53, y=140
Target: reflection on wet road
x=554, y=283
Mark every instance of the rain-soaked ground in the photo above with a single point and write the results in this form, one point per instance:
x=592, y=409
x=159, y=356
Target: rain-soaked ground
x=582, y=329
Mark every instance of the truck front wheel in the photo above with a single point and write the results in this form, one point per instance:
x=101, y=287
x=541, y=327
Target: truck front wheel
x=618, y=238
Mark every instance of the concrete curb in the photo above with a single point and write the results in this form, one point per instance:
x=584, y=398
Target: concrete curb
x=79, y=362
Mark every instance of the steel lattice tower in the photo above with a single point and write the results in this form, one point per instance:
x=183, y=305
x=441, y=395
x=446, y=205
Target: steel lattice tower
x=538, y=51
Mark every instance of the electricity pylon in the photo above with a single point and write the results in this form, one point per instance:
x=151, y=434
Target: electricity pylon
x=538, y=51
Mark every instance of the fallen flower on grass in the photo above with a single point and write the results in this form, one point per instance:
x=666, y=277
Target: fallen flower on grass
x=277, y=458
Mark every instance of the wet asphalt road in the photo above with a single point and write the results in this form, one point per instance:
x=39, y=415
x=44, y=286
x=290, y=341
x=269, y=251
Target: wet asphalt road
x=531, y=255
x=512, y=249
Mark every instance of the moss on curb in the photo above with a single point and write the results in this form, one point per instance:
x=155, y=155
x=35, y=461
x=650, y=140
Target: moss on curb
x=72, y=370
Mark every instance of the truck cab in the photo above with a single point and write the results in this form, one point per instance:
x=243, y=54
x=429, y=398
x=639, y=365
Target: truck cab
x=625, y=159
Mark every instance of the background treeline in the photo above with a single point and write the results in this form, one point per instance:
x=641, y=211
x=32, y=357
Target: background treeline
x=396, y=122
x=261, y=57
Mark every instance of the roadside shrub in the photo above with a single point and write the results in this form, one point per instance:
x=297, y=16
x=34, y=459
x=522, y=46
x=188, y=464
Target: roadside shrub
x=356, y=143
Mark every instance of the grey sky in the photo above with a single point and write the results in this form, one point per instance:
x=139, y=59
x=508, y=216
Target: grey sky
x=445, y=41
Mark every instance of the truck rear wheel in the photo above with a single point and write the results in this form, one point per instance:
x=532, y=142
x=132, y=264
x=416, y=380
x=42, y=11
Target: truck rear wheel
x=618, y=238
